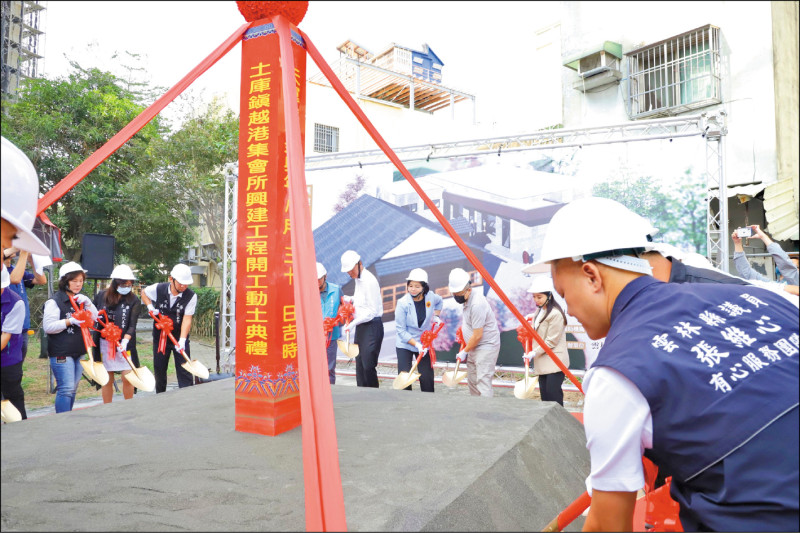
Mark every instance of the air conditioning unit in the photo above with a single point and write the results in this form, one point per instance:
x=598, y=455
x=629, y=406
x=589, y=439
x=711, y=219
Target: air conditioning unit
x=597, y=67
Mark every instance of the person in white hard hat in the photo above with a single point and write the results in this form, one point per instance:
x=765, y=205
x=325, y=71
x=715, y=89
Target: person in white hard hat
x=330, y=296
x=176, y=300
x=698, y=376
x=122, y=308
x=367, y=321
x=19, y=199
x=65, y=345
x=550, y=323
x=416, y=312
x=11, y=320
x=480, y=332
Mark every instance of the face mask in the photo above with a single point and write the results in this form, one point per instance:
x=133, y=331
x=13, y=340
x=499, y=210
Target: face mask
x=124, y=290
x=460, y=298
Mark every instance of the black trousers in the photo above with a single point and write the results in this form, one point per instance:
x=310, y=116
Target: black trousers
x=161, y=362
x=406, y=358
x=550, y=387
x=11, y=387
x=369, y=337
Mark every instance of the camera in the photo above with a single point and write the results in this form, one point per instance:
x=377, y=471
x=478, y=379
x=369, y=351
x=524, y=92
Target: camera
x=744, y=233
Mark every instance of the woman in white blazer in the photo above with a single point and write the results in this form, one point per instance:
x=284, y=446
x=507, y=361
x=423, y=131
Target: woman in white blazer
x=415, y=312
x=550, y=323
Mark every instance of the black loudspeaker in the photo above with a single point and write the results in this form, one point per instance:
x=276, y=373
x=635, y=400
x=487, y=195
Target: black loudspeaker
x=97, y=255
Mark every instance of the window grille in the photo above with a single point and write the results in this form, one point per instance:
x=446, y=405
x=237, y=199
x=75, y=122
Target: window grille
x=675, y=75
x=326, y=138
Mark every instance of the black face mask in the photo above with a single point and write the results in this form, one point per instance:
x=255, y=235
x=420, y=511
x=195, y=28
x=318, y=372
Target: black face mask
x=460, y=298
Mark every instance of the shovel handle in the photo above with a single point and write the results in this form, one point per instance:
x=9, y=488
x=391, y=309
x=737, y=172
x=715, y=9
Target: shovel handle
x=127, y=356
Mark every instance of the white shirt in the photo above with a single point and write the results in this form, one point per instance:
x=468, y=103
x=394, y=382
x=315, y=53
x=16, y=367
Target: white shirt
x=51, y=317
x=366, y=299
x=619, y=427
x=13, y=321
x=151, y=293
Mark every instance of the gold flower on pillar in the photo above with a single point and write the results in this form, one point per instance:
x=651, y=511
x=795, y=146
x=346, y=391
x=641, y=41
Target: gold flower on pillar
x=293, y=11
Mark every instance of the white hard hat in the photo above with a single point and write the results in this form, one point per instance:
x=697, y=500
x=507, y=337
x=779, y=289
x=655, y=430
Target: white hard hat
x=321, y=270
x=458, y=280
x=20, y=197
x=349, y=260
x=5, y=279
x=72, y=266
x=594, y=225
x=123, y=272
x=541, y=284
x=182, y=274
x=417, y=274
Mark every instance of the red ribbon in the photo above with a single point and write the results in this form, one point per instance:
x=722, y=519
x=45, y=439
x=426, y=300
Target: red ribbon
x=525, y=337
x=327, y=326
x=86, y=316
x=111, y=332
x=164, y=323
x=346, y=312
x=460, y=339
x=427, y=339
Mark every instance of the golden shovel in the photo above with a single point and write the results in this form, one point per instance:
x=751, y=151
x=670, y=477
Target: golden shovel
x=405, y=379
x=141, y=378
x=194, y=367
x=452, y=378
x=9, y=413
x=350, y=350
x=525, y=389
x=95, y=369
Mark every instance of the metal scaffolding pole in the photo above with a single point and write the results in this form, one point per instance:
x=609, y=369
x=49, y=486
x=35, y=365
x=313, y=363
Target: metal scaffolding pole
x=715, y=129
x=227, y=328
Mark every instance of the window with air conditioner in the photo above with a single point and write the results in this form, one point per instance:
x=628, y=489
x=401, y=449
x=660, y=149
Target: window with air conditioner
x=675, y=75
x=326, y=138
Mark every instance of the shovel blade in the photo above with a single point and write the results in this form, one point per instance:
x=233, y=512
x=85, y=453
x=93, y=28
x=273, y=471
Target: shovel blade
x=525, y=391
x=196, y=368
x=145, y=380
x=96, y=371
x=404, y=379
x=350, y=350
x=9, y=413
x=451, y=379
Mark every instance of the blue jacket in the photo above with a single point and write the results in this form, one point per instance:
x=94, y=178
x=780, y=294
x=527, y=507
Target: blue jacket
x=718, y=365
x=12, y=353
x=330, y=300
x=405, y=319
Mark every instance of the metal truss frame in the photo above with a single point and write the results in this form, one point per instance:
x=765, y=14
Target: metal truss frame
x=227, y=319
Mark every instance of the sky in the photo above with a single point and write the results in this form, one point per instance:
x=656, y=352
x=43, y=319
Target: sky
x=480, y=43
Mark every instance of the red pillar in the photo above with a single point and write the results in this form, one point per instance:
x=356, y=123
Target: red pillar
x=267, y=397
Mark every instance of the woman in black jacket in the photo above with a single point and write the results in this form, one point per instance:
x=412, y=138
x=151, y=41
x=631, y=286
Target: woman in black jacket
x=122, y=308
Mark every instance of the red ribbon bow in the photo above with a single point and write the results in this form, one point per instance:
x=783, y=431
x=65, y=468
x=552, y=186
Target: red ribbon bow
x=327, y=326
x=164, y=323
x=346, y=312
x=111, y=332
x=525, y=337
x=86, y=316
x=427, y=339
x=460, y=339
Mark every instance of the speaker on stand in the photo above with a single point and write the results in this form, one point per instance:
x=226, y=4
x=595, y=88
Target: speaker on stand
x=97, y=256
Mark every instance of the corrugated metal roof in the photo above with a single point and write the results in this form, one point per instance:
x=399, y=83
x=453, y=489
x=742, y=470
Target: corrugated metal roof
x=781, y=206
x=371, y=227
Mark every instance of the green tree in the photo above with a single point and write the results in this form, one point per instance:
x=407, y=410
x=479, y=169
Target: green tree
x=642, y=195
x=59, y=123
x=195, y=158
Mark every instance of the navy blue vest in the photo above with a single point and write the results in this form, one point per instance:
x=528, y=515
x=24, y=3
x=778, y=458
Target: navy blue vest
x=70, y=341
x=175, y=313
x=718, y=365
x=12, y=353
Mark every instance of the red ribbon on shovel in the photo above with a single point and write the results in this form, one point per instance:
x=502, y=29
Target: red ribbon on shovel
x=86, y=316
x=427, y=339
x=164, y=323
x=111, y=332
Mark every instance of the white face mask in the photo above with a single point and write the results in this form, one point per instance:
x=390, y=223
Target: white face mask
x=123, y=290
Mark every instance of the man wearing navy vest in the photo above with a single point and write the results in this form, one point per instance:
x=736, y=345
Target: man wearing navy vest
x=701, y=378
x=177, y=301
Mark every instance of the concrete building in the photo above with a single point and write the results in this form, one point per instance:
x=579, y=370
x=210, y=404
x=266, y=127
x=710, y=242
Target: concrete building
x=23, y=36
x=674, y=59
